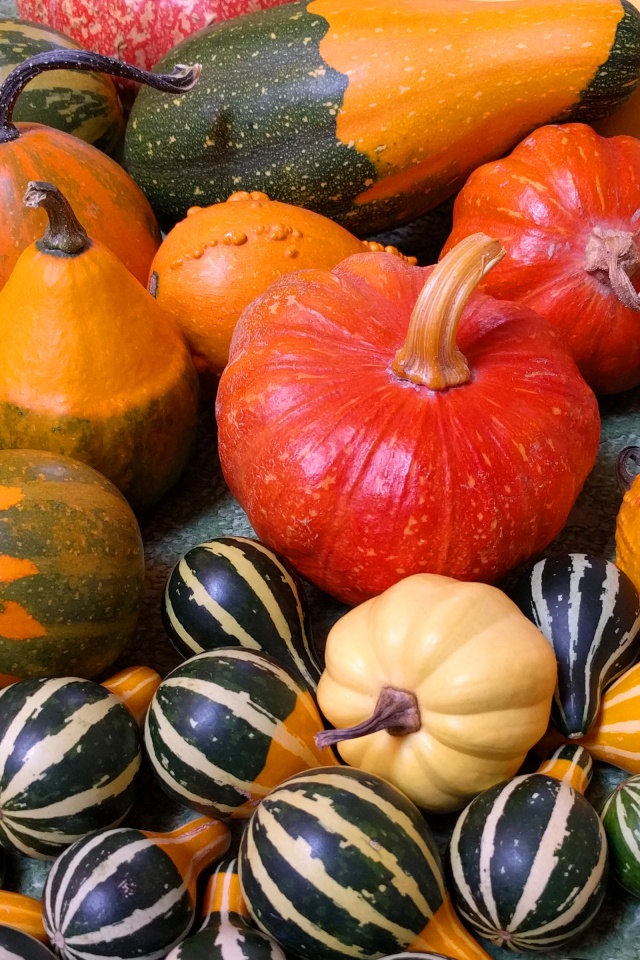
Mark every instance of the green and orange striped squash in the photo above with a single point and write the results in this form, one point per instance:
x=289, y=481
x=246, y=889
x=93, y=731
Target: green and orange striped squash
x=71, y=567
x=339, y=863
x=128, y=893
x=84, y=104
x=227, y=726
x=396, y=101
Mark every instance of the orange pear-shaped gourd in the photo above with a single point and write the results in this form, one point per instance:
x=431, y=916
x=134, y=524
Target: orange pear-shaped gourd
x=91, y=365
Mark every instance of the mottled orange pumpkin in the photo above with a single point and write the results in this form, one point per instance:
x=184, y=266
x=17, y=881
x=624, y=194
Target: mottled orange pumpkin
x=94, y=369
x=220, y=258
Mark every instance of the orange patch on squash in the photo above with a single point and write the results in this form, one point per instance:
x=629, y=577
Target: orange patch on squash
x=15, y=568
x=16, y=623
x=10, y=496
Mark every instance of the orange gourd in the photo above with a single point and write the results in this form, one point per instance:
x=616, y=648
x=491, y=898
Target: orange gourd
x=107, y=201
x=220, y=258
x=628, y=520
x=95, y=369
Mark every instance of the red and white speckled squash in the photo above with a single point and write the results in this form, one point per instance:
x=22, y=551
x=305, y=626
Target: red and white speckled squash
x=138, y=31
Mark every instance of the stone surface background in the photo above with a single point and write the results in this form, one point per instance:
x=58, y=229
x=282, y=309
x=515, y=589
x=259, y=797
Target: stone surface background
x=200, y=508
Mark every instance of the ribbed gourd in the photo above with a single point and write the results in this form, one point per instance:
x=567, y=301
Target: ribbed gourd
x=226, y=727
x=235, y=590
x=69, y=755
x=338, y=863
x=128, y=894
x=528, y=858
x=589, y=610
x=227, y=932
x=621, y=818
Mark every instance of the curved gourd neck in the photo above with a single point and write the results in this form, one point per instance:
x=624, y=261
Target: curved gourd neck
x=430, y=356
x=223, y=900
x=193, y=847
x=571, y=764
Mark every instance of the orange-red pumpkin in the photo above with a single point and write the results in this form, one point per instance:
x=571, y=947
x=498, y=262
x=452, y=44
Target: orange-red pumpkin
x=565, y=206
x=364, y=447
x=109, y=204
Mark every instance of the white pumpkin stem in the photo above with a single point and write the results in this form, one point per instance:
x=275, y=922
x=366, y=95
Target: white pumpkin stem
x=613, y=257
x=430, y=355
x=396, y=711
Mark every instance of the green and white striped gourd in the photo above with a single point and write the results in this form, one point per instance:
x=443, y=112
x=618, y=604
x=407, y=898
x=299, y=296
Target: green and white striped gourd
x=416, y=956
x=16, y=945
x=528, y=858
x=227, y=932
x=227, y=726
x=589, y=611
x=338, y=863
x=128, y=894
x=236, y=591
x=621, y=818
x=69, y=755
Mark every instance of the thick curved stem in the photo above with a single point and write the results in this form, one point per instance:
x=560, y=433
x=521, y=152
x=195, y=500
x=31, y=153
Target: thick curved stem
x=430, y=355
x=180, y=79
x=64, y=234
x=396, y=711
x=612, y=256
x=626, y=457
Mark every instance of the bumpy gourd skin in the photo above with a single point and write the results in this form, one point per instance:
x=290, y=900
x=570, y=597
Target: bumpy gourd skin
x=93, y=368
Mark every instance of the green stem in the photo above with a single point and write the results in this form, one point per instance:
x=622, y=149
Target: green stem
x=64, y=234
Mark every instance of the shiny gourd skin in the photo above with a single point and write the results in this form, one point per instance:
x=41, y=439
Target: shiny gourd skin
x=21, y=946
x=564, y=204
x=622, y=826
x=589, y=611
x=459, y=680
x=369, y=81
x=235, y=591
x=95, y=370
x=105, y=885
x=365, y=448
x=69, y=756
x=338, y=863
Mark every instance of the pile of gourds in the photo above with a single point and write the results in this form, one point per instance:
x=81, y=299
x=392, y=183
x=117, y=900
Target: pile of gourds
x=402, y=437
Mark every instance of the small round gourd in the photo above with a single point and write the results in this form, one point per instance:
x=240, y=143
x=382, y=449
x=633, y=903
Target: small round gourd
x=16, y=945
x=129, y=893
x=234, y=590
x=71, y=570
x=589, y=611
x=338, y=863
x=621, y=818
x=69, y=755
x=226, y=727
x=528, y=863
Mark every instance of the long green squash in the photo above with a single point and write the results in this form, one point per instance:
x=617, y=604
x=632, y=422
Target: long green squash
x=374, y=113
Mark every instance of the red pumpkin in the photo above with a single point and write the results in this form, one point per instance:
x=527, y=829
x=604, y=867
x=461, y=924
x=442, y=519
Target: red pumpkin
x=565, y=205
x=138, y=31
x=364, y=447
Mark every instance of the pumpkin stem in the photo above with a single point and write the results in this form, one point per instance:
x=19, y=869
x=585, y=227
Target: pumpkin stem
x=396, y=711
x=430, y=355
x=180, y=79
x=626, y=457
x=64, y=233
x=612, y=255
